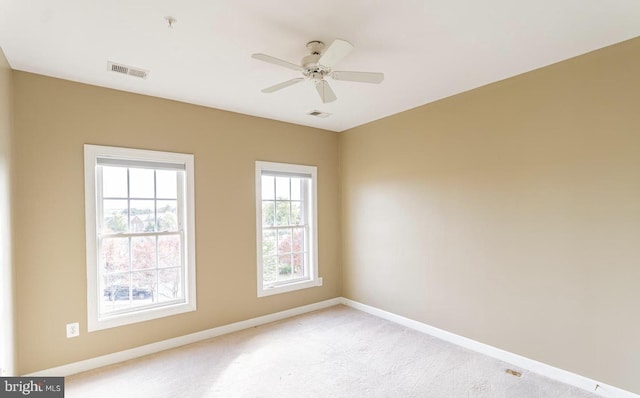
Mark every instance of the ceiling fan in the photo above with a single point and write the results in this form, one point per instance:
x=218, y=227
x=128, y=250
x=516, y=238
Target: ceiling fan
x=317, y=65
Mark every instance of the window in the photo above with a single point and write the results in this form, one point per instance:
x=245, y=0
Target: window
x=286, y=224
x=140, y=235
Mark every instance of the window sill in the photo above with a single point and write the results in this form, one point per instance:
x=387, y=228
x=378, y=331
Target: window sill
x=140, y=316
x=289, y=288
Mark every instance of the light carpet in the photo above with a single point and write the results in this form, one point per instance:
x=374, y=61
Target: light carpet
x=336, y=352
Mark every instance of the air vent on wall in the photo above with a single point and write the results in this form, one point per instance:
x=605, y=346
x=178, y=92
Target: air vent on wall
x=319, y=114
x=127, y=70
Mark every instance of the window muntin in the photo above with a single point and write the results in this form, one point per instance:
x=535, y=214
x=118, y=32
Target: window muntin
x=286, y=224
x=140, y=235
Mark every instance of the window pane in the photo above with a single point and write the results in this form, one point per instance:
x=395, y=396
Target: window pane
x=295, y=189
x=268, y=187
x=115, y=254
x=113, y=281
x=296, y=213
x=269, y=265
x=143, y=252
x=115, y=216
x=268, y=213
x=298, y=265
x=169, y=251
x=282, y=188
x=115, y=295
x=114, y=182
x=142, y=287
x=284, y=267
x=170, y=287
x=142, y=216
x=167, y=215
x=284, y=241
x=284, y=256
x=166, y=184
x=282, y=213
x=268, y=243
x=298, y=240
x=141, y=183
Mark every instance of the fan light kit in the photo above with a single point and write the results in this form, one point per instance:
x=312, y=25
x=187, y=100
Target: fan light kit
x=319, y=64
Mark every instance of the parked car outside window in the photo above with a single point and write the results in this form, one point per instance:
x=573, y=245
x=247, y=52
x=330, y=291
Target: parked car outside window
x=121, y=292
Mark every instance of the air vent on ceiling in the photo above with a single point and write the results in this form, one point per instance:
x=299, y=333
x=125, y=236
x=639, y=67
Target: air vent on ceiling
x=319, y=114
x=127, y=70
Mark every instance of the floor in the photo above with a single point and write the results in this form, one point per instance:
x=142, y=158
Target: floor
x=335, y=352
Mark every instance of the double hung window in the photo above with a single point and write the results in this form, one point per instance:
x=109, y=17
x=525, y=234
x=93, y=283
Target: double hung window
x=140, y=235
x=286, y=214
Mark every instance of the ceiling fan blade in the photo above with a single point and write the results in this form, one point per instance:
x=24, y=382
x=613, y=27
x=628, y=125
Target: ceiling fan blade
x=363, y=77
x=325, y=91
x=276, y=61
x=282, y=85
x=336, y=51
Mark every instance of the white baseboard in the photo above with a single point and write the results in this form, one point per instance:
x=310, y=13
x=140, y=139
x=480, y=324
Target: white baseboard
x=110, y=359
x=603, y=390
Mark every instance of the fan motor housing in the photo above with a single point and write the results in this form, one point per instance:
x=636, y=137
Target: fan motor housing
x=312, y=69
x=310, y=61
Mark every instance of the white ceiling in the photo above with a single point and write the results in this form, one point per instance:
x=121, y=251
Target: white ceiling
x=427, y=49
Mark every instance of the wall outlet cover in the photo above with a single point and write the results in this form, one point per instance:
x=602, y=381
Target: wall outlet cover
x=73, y=329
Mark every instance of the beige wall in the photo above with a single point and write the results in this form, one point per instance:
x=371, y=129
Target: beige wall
x=7, y=335
x=509, y=214
x=54, y=118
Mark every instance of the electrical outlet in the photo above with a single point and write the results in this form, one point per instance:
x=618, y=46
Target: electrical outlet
x=73, y=329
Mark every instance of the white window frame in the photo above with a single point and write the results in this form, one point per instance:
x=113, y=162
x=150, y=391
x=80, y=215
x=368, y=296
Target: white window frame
x=312, y=228
x=92, y=191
